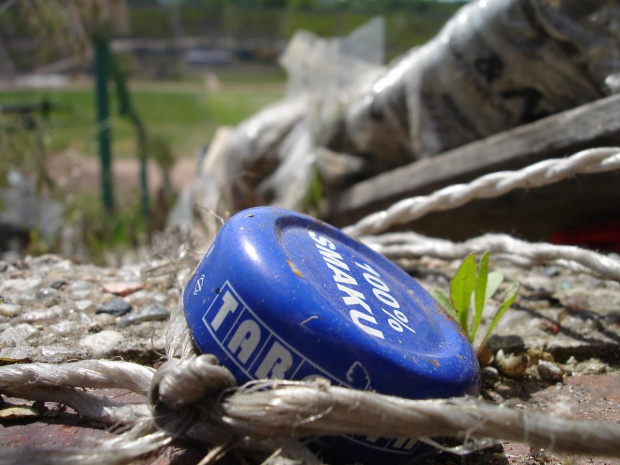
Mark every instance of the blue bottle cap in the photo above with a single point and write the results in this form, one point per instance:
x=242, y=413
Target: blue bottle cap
x=282, y=295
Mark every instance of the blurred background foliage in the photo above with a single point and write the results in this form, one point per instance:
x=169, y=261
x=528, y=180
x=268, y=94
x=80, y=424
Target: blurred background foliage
x=182, y=93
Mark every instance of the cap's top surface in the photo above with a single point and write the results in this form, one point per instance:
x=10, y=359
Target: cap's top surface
x=282, y=295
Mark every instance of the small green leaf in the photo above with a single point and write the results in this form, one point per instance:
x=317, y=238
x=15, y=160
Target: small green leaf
x=509, y=297
x=445, y=302
x=461, y=289
x=480, y=294
x=494, y=280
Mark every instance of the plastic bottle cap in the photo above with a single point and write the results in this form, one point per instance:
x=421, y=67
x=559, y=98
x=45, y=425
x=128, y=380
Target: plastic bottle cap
x=282, y=295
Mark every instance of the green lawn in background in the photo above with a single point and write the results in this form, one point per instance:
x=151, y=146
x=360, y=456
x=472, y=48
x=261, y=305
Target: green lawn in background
x=184, y=113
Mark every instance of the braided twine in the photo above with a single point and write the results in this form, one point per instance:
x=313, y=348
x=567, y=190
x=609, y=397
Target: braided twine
x=191, y=397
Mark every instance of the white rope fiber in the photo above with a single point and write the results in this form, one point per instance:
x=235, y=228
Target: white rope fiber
x=195, y=398
x=409, y=245
x=546, y=172
x=262, y=413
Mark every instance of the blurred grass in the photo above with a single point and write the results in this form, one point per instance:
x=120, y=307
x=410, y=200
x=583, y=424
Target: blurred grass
x=184, y=113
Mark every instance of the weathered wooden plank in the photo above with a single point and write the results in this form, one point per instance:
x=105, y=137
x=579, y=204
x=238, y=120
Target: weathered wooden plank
x=590, y=125
x=533, y=214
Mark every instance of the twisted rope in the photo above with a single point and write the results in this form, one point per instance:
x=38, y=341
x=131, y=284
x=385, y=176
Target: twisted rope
x=546, y=172
x=96, y=374
x=409, y=244
x=269, y=413
x=196, y=398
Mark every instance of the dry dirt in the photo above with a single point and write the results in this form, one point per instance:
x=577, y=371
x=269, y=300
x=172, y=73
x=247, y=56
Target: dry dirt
x=78, y=174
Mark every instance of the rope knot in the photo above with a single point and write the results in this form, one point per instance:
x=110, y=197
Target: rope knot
x=178, y=385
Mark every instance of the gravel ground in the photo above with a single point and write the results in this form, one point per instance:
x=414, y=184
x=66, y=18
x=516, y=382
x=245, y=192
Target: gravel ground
x=557, y=350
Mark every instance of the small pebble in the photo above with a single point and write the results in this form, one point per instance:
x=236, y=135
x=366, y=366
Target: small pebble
x=58, y=285
x=56, y=353
x=20, y=285
x=80, y=290
x=66, y=328
x=594, y=368
x=48, y=296
x=10, y=310
x=84, y=305
x=102, y=342
x=105, y=319
x=489, y=374
x=143, y=298
x=16, y=354
x=28, y=298
x=153, y=312
x=81, y=295
x=81, y=318
x=122, y=288
x=49, y=314
x=550, y=371
x=17, y=334
x=79, y=286
x=116, y=307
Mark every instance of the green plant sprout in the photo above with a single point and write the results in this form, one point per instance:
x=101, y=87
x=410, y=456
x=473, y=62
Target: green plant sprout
x=477, y=285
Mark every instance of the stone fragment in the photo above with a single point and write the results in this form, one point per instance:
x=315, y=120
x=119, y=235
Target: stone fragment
x=82, y=295
x=102, y=343
x=153, y=312
x=38, y=316
x=550, y=371
x=123, y=288
x=84, y=305
x=16, y=354
x=58, y=285
x=17, y=334
x=56, y=353
x=79, y=286
x=103, y=320
x=489, y=374
x=81, y=318
x=10, y=310
x=142, y=298
x=48, y=296
x=66, y=328
x=19, y=285
x=27, y=298
x=116, y=307
x=594, y=367
x=80, y=290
